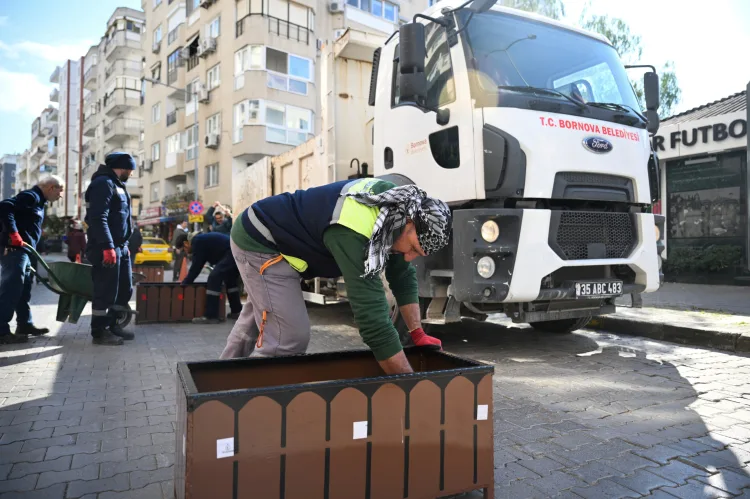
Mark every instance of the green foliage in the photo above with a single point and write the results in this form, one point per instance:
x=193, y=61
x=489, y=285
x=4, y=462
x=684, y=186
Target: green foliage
x=713, y=258
x=53, y=226
x=554, y=9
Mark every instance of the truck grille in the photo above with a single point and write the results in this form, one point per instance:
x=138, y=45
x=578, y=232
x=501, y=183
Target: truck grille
x=582, y=235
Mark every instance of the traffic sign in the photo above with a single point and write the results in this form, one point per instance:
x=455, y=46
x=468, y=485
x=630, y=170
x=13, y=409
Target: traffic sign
x=195, y=219
x=196, y=207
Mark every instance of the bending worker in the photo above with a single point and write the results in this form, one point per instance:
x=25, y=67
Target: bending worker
x=110, y=225
x=352, y=228
x=213, y=248
x=21, y=217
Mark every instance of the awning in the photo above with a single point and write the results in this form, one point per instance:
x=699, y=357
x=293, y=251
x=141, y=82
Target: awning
x=149, y=221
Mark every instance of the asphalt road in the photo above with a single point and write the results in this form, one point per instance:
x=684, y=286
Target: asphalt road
x=580, y=415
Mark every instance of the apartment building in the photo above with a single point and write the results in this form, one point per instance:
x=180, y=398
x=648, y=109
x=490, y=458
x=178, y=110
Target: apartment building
x=42, y=157
x=8, y=166
x=22, y=171
x=112, y=111
x=228, y=82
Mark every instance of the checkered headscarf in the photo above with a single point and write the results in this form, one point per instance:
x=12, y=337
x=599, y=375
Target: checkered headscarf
x=431, y=217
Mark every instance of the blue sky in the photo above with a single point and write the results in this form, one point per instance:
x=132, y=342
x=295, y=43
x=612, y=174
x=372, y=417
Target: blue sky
x=706, y=40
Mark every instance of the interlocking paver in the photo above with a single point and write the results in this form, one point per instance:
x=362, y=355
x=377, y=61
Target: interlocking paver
x=12, y=454
x=29, y=445
x=149, y=492
x=54, y=492
x=695, y=490
x=69, y=450
x=19, y=484
x=117, y=455
x=594, y=471
x=605, y=488
x=728, y=480
x=678, y=472
x=22, y=469
x=48, y=478
x=117, y=483
x=643, y=481
x=557, y=481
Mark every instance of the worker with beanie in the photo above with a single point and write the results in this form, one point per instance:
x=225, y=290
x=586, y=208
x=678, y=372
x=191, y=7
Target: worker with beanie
x=109, y=228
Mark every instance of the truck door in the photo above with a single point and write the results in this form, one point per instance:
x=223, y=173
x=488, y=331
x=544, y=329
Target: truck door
x=409, y=141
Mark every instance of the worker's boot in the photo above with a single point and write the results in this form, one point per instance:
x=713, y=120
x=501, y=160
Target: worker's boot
x=105, y=337
x=206, y=320
x=118, y=331
x=32, y=330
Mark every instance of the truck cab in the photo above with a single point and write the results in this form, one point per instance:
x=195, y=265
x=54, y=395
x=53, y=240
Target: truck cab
x=531, y=131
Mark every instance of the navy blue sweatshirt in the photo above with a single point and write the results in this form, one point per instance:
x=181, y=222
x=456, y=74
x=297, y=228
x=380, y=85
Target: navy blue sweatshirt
x=23, y=213
x=210, y=248
x=108, y=210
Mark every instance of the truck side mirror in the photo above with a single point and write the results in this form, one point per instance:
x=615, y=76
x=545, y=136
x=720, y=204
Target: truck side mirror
x=653, y=121
x=651, y=89
x=412, y=54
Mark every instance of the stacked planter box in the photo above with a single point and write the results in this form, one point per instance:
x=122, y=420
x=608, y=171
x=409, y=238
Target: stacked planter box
x=153, y=274
x=172, y=302
x=333, y=426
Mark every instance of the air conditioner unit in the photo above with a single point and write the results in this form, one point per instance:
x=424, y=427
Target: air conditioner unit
x=336, y=7
x=206, y=47
x=156, y=47
x=203, y=95
x=148, y=166
x=206, y=3
x=212, y=140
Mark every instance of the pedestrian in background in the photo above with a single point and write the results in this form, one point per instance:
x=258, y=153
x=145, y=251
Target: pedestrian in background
x=179, y=238
x=22, y=217
x=214, y=248
x=110, y=227
x=135, y=242
x=220, y=218
x=76, y=242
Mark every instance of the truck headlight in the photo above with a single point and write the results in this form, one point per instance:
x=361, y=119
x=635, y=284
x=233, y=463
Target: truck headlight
x=490, y=231
x=658, y=232
x=486, y=267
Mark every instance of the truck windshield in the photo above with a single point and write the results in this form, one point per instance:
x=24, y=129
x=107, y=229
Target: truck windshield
x=507, y=52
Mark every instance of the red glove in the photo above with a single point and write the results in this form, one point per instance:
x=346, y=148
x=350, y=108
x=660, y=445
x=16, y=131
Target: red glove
x=420, y=339
x=110, y=257
x=15, y=239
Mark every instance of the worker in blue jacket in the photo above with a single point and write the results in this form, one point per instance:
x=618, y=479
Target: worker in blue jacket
x=213, y=248
x=109, y=228
x=21, y=217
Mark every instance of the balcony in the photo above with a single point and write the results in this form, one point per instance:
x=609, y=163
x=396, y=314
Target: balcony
x=122, y=129
x=38, y=152
x=49, y=157
x=172, y=118
x=277, y=27
x=89, y=125
x=53, y=116
x=122, y=67
x=121, y=43
x=47, y=168
x=192, y=62
x=55, y=76
x=120, y=100
x=54, y=96
x=89, y=77
x=51, y=129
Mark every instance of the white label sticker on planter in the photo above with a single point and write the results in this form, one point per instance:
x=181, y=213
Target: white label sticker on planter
x=360, y=430
x=224, y=447
x=482, y=411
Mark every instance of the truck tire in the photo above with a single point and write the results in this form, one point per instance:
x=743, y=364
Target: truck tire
x=561, y=326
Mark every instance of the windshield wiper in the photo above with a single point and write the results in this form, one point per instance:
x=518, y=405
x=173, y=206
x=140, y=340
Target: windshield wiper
x=539, y=90
x=618, y=107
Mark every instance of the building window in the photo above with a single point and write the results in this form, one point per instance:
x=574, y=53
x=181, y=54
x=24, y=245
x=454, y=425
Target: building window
x=214, y=28
x=284, y=124
x=213, y=124
x=156, y=112
x=131, y=26
x=212, y=175
x=157, y=35
x=173, y=143
x=386, y=10
x=155, y=151
x=288, y=72
x=173, y=63
x=192, y=6
x=245, y=59
x=213, y=77
x=156, y=72
x=192, y=142
x=154, y=192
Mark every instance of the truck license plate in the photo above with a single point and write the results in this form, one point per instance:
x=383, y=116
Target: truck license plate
x=598, y=289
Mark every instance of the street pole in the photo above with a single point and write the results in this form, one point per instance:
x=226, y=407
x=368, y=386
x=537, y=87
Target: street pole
x=197, y=148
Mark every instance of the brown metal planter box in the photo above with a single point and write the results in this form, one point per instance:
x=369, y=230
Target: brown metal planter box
x=153, y=274
x=172, y=302
x=331, y=426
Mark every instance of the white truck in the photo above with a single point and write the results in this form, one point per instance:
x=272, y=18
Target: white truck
x=529, y=129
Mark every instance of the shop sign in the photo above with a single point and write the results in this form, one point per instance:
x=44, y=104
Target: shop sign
x=195, y=219
x=689, y=137
x=151, y=212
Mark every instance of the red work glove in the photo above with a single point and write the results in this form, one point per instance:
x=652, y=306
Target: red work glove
x=420, y=339
x=15, y=239
x=110, y=257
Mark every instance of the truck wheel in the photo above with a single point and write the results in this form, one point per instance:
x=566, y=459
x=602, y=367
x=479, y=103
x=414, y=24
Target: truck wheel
x=561, y=326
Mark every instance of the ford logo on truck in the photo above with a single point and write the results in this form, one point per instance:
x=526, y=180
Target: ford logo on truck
x=597, y=145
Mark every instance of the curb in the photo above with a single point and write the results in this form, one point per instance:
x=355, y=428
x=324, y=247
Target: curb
x=721, y=340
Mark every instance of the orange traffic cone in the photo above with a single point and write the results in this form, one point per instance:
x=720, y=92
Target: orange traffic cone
x=183, y=270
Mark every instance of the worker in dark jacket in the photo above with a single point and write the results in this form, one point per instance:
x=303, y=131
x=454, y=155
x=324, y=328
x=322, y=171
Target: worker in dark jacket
x=213, y=248
x=21, y=217
x=178, y=246
x=109, y=228
x=135, y=242
x=220, y=218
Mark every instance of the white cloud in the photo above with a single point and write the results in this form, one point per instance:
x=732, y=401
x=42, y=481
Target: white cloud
x=51, y=53
x=28, y=95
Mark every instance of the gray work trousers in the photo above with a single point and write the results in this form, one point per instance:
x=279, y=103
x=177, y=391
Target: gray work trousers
x=277, y=291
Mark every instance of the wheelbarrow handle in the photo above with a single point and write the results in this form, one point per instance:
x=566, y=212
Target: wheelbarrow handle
x=30, y=249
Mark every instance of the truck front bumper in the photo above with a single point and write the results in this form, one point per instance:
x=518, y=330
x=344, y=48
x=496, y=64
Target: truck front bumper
x=534, y=243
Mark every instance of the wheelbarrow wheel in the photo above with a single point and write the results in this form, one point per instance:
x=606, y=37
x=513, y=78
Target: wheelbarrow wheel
x=122, y=317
